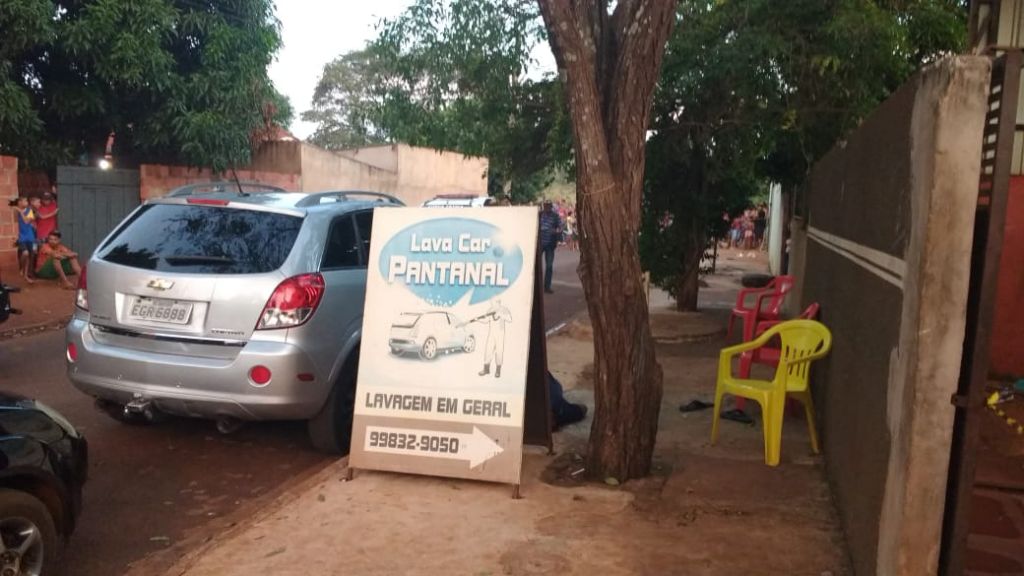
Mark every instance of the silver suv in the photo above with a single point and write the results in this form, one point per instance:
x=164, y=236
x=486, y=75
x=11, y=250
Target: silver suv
x=229, y=306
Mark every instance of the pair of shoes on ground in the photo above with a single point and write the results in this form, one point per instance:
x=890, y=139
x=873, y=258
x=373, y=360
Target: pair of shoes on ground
x=734, y=415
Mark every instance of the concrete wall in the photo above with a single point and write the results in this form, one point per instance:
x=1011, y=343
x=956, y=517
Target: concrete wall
x=776, y=223
x=8, y=220
x=324, y=170
x=383, y=157
x=1007, y=352
x=424, y=173
x=887, y=255
x=158, y=180
x=413, y=174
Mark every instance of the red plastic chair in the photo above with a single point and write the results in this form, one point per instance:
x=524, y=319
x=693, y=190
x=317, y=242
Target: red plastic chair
x=768, y=355
x=767, y=305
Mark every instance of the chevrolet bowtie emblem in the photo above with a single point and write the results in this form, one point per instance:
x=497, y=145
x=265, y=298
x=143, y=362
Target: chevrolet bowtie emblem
x=160, y=284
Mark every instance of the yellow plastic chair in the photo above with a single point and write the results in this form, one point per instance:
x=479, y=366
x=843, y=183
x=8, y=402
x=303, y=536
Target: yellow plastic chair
x=803, y=341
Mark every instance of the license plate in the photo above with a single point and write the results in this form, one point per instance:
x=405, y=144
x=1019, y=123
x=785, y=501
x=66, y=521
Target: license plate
x=157, y=310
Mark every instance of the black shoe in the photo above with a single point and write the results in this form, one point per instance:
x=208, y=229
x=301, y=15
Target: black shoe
x=497, y=372
x=486, y=370
x=549, y=291
x=695, y=405
x=737, y=416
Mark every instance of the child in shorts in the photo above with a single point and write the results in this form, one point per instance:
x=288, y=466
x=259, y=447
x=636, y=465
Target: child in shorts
x=26, y=242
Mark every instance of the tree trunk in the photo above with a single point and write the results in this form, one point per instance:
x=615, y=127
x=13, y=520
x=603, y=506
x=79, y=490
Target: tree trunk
x=610, y=64
x=696, y=239
x=688, y=286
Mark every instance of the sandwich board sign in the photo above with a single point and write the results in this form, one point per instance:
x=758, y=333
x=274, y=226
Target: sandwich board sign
x=445, y=342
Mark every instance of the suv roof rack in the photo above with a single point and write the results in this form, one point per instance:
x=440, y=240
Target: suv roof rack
x=315, y=198
x=223, y=186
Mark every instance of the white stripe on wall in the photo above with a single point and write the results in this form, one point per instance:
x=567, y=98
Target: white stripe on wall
x=885, y=266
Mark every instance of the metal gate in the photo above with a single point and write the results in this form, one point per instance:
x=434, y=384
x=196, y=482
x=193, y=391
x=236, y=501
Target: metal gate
x=92, y=202
x=989, y=227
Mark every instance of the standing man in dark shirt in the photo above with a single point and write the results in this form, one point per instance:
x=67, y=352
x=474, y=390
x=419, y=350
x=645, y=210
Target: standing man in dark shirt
x=760, y=224
x=550, y=234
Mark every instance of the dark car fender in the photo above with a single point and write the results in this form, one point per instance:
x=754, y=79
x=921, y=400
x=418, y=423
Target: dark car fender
x=32, y=466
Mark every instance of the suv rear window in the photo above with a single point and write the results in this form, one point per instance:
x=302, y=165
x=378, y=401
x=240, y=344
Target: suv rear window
x=204, y=239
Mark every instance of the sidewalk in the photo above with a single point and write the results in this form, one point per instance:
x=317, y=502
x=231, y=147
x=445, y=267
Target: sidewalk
x=706, y=510
x=44, y=306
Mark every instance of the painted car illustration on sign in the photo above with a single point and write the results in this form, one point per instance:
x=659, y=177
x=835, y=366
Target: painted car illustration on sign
x=429, y=333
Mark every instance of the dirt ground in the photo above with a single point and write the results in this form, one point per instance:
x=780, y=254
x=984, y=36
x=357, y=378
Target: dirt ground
x=706, y=510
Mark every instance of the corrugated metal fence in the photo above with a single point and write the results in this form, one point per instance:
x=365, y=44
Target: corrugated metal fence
x=92, y=202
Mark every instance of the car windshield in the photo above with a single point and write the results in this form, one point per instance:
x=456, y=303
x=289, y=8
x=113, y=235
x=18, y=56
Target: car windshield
x=203, y=239
x=407, y=320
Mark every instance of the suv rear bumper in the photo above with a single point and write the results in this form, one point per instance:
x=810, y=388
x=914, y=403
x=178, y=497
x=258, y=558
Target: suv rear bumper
x=198, y=387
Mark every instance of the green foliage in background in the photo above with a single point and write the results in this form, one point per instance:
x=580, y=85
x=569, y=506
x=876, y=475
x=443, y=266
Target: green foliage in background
x=756, y=91
x=181, y=81
x=454, y=75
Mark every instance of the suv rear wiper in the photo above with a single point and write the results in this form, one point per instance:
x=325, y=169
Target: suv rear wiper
x=197, y=259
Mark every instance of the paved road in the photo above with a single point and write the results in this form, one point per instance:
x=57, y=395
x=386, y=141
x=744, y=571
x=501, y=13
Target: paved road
x=178, y=482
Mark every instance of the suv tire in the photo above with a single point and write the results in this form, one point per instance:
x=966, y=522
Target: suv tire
x=21, y=509
x=330, y=430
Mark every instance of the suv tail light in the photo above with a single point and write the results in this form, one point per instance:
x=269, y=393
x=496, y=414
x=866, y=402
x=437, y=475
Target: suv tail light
x=293, y=302
x=82, y=297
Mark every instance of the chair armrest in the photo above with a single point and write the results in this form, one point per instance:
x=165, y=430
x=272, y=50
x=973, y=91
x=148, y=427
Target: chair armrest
x=742, y=296
x=726, y=355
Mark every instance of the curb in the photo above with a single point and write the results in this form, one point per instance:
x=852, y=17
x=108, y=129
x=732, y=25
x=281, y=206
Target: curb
x=33, y=329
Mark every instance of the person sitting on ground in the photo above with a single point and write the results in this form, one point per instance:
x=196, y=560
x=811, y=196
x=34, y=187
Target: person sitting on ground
x=57, y=261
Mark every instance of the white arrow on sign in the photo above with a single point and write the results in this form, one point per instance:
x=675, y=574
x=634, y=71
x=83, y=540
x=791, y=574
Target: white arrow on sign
x=477, y=447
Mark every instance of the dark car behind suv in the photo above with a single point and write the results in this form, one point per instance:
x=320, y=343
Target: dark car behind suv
x=43, y=466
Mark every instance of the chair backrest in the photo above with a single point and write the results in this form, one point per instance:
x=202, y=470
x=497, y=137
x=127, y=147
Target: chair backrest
x=781, y=286
x=803, y=341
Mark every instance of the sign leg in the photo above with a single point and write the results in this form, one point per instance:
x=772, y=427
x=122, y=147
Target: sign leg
x=515, y=492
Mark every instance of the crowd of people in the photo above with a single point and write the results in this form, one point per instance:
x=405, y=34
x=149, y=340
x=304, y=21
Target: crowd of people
x=747, y=229
x=41, y=254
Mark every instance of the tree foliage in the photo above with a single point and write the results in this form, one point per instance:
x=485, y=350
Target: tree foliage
x=451, y=74
x=758, y=90
x=175, y=80
x=345, y=102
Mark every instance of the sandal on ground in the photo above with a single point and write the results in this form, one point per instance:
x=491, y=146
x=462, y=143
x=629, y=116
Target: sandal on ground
x=737, y=416
x=695, y=405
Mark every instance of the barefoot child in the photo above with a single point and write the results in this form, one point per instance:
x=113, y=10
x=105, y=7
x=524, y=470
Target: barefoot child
x=57, y=261
x=26, y=238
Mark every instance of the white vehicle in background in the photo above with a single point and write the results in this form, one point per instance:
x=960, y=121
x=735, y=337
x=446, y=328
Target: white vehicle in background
x=458, y=200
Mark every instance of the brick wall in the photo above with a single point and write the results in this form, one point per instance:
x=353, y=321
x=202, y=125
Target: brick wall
x=33, y=183
x=158, y=180
x=8, y=224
